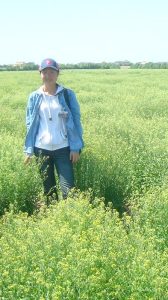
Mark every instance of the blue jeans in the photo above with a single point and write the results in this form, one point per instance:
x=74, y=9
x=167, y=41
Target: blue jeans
x=59, y=160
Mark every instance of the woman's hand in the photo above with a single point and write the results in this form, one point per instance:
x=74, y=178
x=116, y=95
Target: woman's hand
x=27, y=160
x=74, y=156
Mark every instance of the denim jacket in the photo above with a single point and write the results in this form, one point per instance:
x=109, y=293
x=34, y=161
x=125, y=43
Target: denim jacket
x=73, y=123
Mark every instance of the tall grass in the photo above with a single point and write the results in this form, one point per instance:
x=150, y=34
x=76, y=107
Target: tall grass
x=76, y=251
x=80, y=248
x=124, y=115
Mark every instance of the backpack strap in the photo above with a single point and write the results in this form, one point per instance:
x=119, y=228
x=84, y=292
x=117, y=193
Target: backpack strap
x=66, y=96
x=67, y=100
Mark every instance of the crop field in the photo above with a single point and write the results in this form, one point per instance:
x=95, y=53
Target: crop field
x=108, y=240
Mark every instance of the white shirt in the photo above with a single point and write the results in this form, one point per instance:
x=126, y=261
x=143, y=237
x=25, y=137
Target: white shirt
x=52, y=134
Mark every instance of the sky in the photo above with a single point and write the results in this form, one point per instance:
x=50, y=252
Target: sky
x=74, y=31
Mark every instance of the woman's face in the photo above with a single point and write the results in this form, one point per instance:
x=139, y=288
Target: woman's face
x=49, y=75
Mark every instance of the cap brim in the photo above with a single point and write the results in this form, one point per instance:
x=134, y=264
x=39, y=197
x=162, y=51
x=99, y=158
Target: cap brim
x=41, y=69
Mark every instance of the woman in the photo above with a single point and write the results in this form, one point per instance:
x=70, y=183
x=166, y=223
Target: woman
x=54, y=131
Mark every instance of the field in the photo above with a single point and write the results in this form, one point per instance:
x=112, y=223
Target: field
x=85, y=248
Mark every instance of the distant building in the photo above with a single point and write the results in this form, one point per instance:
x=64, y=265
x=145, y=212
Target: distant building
x=124, y=67
x=143, y=62
x=19, y=64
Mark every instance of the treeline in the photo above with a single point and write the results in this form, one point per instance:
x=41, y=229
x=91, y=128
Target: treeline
x=117, y=65
x=20, y=67
x=150, y=65
x=89, y=65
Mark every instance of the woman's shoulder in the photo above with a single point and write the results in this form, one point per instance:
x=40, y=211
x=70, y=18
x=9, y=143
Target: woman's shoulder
x=71, y=95
x=34, y=98
x=35, y=94
x=70, y=91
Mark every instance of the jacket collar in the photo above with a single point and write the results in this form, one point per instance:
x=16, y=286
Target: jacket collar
x=59, y=89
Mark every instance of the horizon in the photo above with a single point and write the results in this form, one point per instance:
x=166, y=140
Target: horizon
x=86, y=62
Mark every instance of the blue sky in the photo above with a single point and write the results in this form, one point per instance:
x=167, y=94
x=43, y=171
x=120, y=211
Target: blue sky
x=73, y=31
